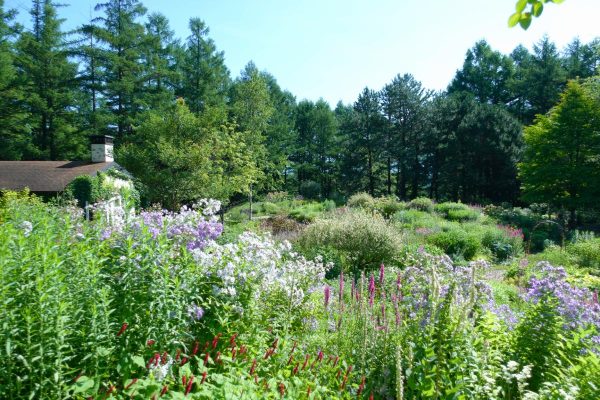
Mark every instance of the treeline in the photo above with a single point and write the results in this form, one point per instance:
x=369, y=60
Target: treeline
x=121, y=73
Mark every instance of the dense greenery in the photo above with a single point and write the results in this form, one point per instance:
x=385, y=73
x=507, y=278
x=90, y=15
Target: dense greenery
x=150, y=306
x=126, y=68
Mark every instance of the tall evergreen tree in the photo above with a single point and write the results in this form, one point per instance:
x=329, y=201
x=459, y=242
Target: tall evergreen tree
x=205, y=78
x=49, y=83
x=123, y=37
x=161, y=75
x=485, y=74
x=404, y=106
x=582, y=60
x=15, y=141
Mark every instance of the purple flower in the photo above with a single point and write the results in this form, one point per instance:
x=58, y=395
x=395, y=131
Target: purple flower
x=327, y=294
x=381, y=274
x=196, y=312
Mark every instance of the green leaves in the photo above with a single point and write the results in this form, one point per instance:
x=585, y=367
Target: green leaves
x=523, y=17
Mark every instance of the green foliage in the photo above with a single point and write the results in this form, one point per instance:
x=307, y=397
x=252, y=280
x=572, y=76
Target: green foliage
x=560, y=163
x=363, y=241
x=361, y=200
x=457, y=243
x=421, y=204
x=169, y=156
x=457, y=212
x=524, y=16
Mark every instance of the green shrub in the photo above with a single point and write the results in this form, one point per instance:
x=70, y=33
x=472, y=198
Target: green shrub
x=415, y=219
x=456, y=243
x=586, y=253
x=363, y=241
x=421, y=204
x=329, y=205
x=361, y=200
x=388, y=206
x=270, y=208
x=504, y=243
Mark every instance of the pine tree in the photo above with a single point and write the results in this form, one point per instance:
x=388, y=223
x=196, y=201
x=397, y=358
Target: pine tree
x=49, y=83
x=14, y=139
x=122, y=37
x=205, y=78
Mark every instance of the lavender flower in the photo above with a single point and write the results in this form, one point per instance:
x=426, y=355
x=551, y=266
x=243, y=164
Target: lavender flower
x=196, y=312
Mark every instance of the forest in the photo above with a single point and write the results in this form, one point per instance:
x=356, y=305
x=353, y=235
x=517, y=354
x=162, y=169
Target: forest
x=121, y=73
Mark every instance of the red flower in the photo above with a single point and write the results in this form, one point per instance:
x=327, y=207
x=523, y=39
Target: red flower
x=150, y=342
x=188, y=388
x=216, y=341
x=123, y=327
x=184, y=380
x=206, y=359
x=253, y=367
x=281, y=389
x=203, y=377
x=164, y=390
x=195, y=348
x=232, y=339
x=133, y=381
x=295, y=371
x=305, y=361
x=184, y=360
x=361, y=387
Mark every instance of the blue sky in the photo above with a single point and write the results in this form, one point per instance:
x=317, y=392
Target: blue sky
x=334, y=48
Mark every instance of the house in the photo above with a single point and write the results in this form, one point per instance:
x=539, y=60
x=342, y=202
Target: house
x=47, y=178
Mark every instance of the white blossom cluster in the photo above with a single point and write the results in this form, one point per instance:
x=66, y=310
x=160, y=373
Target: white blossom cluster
x=260, y=266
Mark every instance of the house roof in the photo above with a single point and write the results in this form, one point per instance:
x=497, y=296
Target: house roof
x=46, y=176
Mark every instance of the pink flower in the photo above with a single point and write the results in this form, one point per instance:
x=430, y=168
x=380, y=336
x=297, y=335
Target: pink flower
x=327, y=293
x=381, y=274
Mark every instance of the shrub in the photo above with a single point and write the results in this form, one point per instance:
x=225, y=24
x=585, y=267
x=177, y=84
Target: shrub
x=456, y=243
x=276, y=197
x=365, y=241
x=361, y=200
x=387, y=206
x=586, y=253
x=270, y=208
x=503, y=241
x=421, y=204
x=329, y=205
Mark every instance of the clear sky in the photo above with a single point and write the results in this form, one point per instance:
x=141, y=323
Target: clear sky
x=334, y=48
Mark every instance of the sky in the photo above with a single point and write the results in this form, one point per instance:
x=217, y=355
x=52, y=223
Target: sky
x=332, y=49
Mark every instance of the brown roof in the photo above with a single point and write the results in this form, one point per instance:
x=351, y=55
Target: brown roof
x=45, y=176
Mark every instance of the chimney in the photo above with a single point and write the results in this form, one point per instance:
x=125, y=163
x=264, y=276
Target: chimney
x=102, y=148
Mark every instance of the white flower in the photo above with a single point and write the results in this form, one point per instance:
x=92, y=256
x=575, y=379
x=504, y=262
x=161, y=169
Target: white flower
x=161, y=370
x=27, y=227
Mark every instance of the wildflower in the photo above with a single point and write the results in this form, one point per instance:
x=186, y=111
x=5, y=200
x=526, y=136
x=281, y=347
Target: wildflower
x=188, y=388
x=381, y=274
x=196, y=312
x=150, y=342
x=133, y=381
x=305, y=361
x=216, y=341
x=27, y=227
x=184, y=380
x=253, y=367
x=327, y=294
x=341, y=295
x=295, y=371
x=164, y=390
x=184, y=361
x=195, y=348
x=361, y=387
x=123, y=327
x=203, y=377
x=281, y=389
x=348, y=371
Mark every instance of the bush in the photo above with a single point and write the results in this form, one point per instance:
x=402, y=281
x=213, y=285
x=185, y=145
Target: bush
x=586, y=254
x=361, y=200
x=329, y=205
x=364, y=241
x=421, y=204
x=270, y=208
x=387, y=206
x=456, y=243
x=503, y=242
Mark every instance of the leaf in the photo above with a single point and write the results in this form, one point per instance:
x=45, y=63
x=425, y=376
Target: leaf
x=520, y=7
x=83, y=384
x=538, y=8
x=514, y=19
x=525, y=21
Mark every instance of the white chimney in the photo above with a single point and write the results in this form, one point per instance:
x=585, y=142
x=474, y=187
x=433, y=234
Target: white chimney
x=102, y=149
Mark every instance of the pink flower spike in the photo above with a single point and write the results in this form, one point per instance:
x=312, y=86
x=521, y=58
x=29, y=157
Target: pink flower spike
x=327, y=294
x=381, y=274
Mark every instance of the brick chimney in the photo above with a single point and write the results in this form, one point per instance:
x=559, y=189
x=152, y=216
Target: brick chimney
x=102, y=148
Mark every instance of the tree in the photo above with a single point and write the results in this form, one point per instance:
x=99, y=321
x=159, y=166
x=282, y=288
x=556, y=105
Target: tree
x=160, y=63
x=49, y=83
x=180, y=158
x=486, y=74
x=15, y=141
x=404, y=103
x=123, y=37
x=581, y=60
x=524, y=18
x=561, y=162
x=205, y=78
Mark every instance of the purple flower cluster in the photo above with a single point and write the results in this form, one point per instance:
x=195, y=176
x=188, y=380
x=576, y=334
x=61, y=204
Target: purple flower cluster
x=579, y=307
